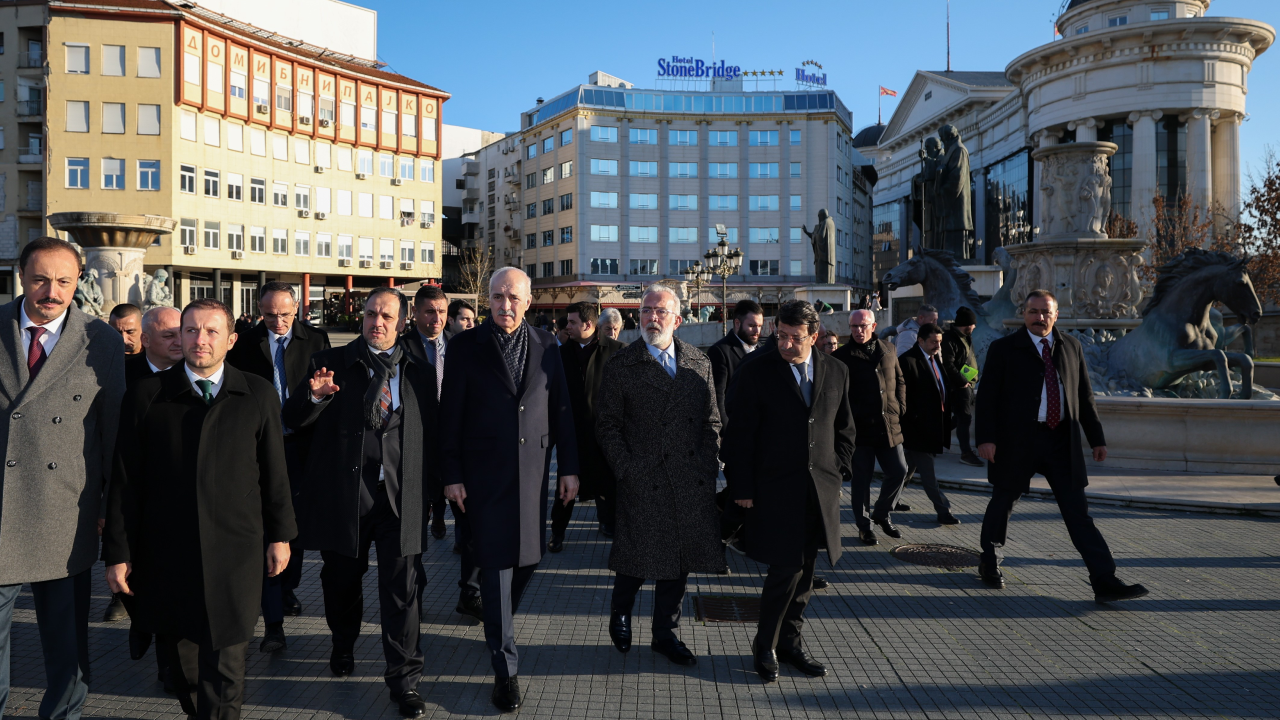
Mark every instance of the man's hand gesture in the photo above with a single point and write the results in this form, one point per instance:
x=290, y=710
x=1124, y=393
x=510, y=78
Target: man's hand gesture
x=322, y=384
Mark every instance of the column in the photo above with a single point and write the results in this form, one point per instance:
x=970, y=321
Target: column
x=1047, y=138
x=304, y=302
x=983, y=254
x=217, y=284
x=1086, y=130
x=1200, y=159
x=1144, y=179
x=262, y=281
x=1226, y=165
x=346, y=298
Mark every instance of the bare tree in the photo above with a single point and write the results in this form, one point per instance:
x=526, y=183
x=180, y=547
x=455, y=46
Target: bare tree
x=1257, y=233
x=476, y=267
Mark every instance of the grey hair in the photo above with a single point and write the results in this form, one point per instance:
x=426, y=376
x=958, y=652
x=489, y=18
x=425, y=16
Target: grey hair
x=610, y=317
x=277, y=286
x=661, y=289
x=152, y=316
x=926, y=309
x=521, y=279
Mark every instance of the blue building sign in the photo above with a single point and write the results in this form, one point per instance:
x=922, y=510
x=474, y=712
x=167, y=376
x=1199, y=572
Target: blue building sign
x=808, y=78
x=687, y=67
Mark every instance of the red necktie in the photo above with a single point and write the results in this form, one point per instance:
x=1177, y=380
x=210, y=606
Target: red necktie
x=1054, y=414
x=933, y=365
x=35, y=353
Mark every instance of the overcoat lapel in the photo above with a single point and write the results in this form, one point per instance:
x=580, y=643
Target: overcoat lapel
x=532, y=359
x=496, y=363
x=789, y=378
x=12, y=377
x=71, y=345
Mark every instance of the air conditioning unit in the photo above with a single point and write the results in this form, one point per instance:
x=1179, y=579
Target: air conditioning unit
x=427, y=224
x=262, y=108
x=320, y=169
x=344, y=262
x=188, y=249
x=506, y=150
x=362, y=176
x=385, y=264
x=397, y=181
x=366, y=263
x=237, y=254
x=406, y=222
x=324, y=122
x=322, y=216
x=304, y=213
x=304, y=120
x=406, y=266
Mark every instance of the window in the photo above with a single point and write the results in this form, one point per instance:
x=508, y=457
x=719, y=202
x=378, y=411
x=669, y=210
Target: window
x=302, y=244
x=212, y=233
x=280, y=147
x=763, y=235
x=386, y=166
x=427, y=171
x=677, y=267
x=604, y=167
x=531, y=210
x=643, y=234
x=797, y=235
x=603, y=133
x=604, y=233
x=235, y=187
x=409, y=125
x=213, y=77
x=607, y=200
x=731, y=234
x=212, y=134
x=762, y=170
x=548, y=206
x=795, y=137
x=566, y=201
x=261, y=91
x=764, y=267
x=280, y=242
x=682, y=202
x=365, y=162
x=386, y=207
x=187, y=233
x=77, y=116
x=1118, y=21
x=682, y=170
x=148, y=119
x=1082, y=29
x=641, y=201
x=406, y=251
x=406, y=168
x=682, y=137
x=348, y=118
x=187, y=179
x=324, y=154
x=797, y=267
x=235, y=237
x=604, y=266
x=722, y=170
x=644, y=169
x=548, y=175
x=257, y=142
x=763, y=138
x=368, y=118
x=78, y=60
x=389, y=123
x=795, y=170
x=113, y=60
x=188, y=125
x=644, y=267
x=763, y=202
x=530, y=181
x=795, y=202
x=191, y=68
x=1159, y=14
x=386, y=250
x=548, y=144
x=325, y=111
x=239, y=81
x=302, y=197
x=566, y=169
x=566, y=137
x=566, y=236
x=427, y=252
x=682, y=235
x=723, y=138
x=344, y=202
x=366, y=248
x=257, y=239
x=642, y=137
x=112, y=174
x=148, y=174
x=722, y=202
x=284, y=98
x=566, y=267
x=548, y=238
x=280, y=195
x=531, y=241
x=148, y=62
x=531, y=152
x=257, y=191
x=531, y=270
x=548, y=268
x=212, y=181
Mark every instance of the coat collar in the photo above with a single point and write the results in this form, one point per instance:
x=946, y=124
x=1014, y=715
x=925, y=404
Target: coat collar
x=175, y=384
x=352, y=353
x=1023, y=338
x=71, y=344
x=487, y=336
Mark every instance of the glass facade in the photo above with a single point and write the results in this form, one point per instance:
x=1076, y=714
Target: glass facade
x=1171, y=158
x=700, y=103
x=1119, y=132
x=1009, y=205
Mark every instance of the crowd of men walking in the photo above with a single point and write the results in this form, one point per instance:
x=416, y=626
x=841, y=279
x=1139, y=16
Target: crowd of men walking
x=209, y=460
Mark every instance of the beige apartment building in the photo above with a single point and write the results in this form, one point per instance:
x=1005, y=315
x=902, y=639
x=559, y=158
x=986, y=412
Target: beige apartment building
x=279, y=159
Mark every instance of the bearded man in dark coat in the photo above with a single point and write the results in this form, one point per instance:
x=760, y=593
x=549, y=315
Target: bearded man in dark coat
x=659, y=393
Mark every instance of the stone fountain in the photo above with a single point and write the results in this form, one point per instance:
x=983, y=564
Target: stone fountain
x=114, y=246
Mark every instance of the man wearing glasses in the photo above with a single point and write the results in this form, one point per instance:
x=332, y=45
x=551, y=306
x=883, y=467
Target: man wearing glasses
x=279, y=349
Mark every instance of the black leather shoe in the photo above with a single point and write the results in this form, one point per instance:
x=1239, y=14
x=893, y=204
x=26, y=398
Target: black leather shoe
x=273, y=639
x=972, y=460
x=724, y=571
x=411, y=704
x=292, y=607
x=675, y=650
x=606, y=530
x=802, y=661
x=437, y=531
x=888, y=527
x=115, y=610
x=138, y=643
x=736, y=545
x=820, y=583
x=557, y=543
x=469, y=604
x=767, y=665
x=902, y=507
x=946, y=518
x=506, y=694
x=342, y=662
x=1114, y=590
x=868, y=536
x=991, y=576
x=620, y=630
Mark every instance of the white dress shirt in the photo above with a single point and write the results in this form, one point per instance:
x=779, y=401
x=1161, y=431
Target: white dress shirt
x=664, y=356
x=153, y=367
x=52, y=331
x=805, y=367
x=215, y=378
x=275, y=339
x=1044, y=396
x=747, y=348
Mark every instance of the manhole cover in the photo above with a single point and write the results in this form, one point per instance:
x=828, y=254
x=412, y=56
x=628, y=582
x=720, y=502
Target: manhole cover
x=939, y=556
x=727, y=608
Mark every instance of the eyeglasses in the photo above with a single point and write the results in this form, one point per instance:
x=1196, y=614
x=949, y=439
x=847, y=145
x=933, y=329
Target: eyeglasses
x=1040, y=313
x=281, y=317
x=865, y=326
x=659, y=313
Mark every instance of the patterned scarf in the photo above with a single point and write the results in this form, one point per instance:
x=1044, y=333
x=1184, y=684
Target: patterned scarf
x=515, y=349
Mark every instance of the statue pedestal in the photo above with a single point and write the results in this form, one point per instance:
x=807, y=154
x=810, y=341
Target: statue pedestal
x=1095, y=280
x=115, y=245
x=829, y=293
x=120, y=274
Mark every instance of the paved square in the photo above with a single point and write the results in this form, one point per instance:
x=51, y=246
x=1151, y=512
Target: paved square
x=902, y=641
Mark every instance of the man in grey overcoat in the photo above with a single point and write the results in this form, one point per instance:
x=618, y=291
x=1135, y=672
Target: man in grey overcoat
x=61, y=380
x=659, y=428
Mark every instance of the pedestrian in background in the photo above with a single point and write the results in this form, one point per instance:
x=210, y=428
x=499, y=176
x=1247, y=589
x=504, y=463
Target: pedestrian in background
x=926, y=425
x=960, y=369
x=610, y=323
x=906, y=337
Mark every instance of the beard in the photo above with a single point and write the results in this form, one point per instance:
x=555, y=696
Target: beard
x=655, y=334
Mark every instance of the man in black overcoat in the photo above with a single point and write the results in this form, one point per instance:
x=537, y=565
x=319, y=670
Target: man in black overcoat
x=367, y=404
x=278, y=350
x=1034, y=399
x=926, y=426
x=584, y=358
x=187, y=521
x=504, y=410
x=957, y=353
x=789, y=442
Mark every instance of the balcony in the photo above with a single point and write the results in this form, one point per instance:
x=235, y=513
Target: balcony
x=30, y=108
x=33, y=204
x=33, y=153
x=470, y=217
x=29, y=60
x=470, y=167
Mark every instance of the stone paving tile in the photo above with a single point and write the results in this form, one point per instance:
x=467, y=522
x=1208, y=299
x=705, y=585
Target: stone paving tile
x=901, y=641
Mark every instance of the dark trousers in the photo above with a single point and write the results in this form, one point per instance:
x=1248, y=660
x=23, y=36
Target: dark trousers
x=469, y=574
x=209, y=682
x=295, y=458
x=962, y=412
x=732, y=515
x=787, y=588
x=341, y=579
x=893, y=464
x=500, y=592
x=562, y=512
x=928, y=478
x=63, y=630
x=668, y=601
x=1052, y=450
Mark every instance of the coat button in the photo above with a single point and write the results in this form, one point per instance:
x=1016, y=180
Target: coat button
x=57, y=421
x=521, y=441
x=810, y=466
x=76, y=398
x=810, y=421
x=521, y=408
x=11, y=463
x=17, y=416
x=811, y=444
x=53, y=466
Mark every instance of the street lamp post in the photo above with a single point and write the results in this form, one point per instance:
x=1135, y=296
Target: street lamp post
x=721, y=262
x=697, y=278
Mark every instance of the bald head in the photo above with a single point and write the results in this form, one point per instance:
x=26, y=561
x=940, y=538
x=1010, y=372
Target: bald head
x=162, y=336
x=511, y=277
x=862, y=326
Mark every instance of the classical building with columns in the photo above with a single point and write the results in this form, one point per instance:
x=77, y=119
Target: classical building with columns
x=1161, y=79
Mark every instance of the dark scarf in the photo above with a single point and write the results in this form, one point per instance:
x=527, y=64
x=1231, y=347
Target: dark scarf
x=384, y=368
x=515, y=348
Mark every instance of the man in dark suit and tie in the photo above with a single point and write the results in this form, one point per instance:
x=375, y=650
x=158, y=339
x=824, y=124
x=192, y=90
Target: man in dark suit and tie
x=725, y=355
x=367, y=483
x=786, y=449
x=504, y=410
x=584, y=358
x=1034, y=399
x=278, y=350
x=926, y=429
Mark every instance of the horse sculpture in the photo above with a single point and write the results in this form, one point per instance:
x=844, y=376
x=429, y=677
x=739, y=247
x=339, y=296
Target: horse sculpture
x=948, y=287
x=1177, y=336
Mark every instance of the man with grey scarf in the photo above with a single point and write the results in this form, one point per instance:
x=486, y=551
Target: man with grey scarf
x=366, y=484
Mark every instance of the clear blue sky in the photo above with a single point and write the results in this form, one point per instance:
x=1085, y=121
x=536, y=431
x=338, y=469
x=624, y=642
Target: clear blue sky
x=497, y=57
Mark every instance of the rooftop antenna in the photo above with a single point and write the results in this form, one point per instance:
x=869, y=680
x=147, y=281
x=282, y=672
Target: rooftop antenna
x=948, y=35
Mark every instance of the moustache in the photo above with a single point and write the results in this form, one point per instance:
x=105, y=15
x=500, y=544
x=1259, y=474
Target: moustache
x=653, y=326
x=504, y=313
x=49, y=301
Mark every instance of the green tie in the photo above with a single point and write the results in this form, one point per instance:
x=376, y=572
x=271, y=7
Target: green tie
x=206, y=387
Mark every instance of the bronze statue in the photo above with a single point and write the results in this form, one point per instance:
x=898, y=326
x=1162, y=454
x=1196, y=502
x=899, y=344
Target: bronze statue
x=824, y=248
x=924, y=195
x=954, y=194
